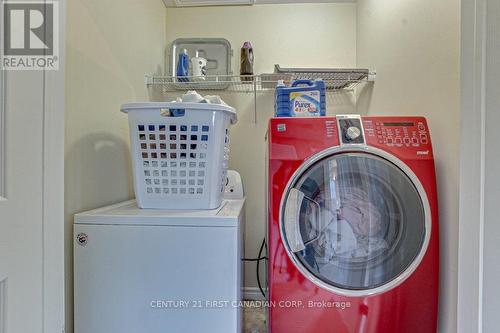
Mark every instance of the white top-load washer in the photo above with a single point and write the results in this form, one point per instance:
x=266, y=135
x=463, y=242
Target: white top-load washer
x=160, y=271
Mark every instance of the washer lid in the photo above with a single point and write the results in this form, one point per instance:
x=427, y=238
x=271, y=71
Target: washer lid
x=127, y=213
x=354, y=222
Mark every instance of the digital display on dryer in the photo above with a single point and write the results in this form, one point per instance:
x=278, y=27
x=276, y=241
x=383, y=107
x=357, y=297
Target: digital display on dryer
x=399, y=124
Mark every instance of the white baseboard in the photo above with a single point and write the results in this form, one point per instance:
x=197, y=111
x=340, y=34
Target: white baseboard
x=253, y=294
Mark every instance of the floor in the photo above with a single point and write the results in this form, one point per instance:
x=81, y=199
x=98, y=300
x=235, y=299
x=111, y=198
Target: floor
x=254, y=318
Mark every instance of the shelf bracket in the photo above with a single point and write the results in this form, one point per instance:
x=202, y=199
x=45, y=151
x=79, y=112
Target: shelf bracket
x=255, y=100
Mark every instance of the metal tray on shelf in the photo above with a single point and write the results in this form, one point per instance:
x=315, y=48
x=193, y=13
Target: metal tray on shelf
x=218, y=53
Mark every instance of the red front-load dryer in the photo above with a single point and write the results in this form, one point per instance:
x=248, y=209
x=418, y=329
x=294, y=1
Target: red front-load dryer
x=353, y=226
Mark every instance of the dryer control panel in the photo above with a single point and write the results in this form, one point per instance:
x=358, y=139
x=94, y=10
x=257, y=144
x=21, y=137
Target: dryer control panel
x=392, y=132
x=406, y=137
x=350, y=130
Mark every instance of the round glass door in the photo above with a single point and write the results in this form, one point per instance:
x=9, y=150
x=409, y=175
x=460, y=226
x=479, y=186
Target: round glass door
x=355, y=221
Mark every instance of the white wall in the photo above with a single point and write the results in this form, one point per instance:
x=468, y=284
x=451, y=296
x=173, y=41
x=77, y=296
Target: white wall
x=414, y=46
x=110, y=46
x=310, y=35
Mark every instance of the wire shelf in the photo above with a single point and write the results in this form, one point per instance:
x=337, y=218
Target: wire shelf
x=334, y=80
x=248, y=83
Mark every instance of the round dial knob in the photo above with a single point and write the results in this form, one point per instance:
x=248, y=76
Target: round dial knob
x=353, y=133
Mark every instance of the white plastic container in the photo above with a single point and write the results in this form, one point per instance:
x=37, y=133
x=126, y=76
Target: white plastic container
x=180, y=153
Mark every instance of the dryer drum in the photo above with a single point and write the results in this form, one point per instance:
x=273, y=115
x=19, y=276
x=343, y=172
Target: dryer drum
x=391, y=213
x=362, y=221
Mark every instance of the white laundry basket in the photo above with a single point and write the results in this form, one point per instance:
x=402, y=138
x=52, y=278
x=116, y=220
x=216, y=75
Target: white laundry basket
x=180, y=153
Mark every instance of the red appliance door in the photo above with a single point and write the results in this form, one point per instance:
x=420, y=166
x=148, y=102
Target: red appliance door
x=355, y=223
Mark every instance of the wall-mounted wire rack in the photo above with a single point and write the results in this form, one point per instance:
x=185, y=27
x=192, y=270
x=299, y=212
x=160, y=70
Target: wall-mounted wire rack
x=335, y=80
x=228, y=83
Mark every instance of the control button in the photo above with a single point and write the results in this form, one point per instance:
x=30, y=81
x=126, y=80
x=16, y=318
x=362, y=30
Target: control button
x=423, y=139
x=414, y=140
x=406, y=140
x=353, y=132
x=421, y=127
x=398, y=141
x=390, y=141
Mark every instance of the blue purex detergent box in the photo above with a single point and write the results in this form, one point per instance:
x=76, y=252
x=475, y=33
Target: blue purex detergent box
x=304, y=98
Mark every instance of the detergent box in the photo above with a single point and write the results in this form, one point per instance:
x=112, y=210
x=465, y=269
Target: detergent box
x=304, y=98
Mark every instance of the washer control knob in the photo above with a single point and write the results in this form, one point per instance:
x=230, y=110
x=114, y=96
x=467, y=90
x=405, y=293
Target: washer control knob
x=353, y=133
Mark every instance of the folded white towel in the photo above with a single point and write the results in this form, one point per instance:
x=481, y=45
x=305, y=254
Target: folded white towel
x=214, y=99
x=193, y=97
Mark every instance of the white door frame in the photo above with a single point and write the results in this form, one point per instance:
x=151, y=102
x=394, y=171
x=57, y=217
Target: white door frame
x=52, y=184
x=474, y=39
x=53, y=190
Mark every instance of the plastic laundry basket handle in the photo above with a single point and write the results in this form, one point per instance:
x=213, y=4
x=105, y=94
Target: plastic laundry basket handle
x=302, y=82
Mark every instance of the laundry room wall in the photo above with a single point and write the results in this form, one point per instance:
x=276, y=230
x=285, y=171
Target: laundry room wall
x=293, y=35
x=414, y=46
x=110, y=46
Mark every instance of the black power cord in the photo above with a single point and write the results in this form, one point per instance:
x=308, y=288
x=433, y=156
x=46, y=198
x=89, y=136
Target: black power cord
x=254, y=259
x=258, y=268
x=258, y=259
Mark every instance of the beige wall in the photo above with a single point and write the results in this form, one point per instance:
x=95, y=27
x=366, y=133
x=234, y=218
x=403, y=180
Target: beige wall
x=414, y=46
x=311, y=35
x=110, y=46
